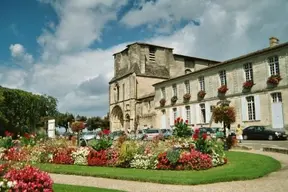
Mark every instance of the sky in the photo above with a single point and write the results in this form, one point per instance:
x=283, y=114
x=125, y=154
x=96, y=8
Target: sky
x=64, y=48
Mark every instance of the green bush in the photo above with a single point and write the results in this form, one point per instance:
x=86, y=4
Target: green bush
x=6, y=142
x=101, y=144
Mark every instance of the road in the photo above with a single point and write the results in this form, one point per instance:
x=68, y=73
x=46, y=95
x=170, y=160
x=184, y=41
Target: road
x=258, y=144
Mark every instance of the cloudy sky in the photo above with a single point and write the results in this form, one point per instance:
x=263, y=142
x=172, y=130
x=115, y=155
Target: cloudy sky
x=64, y=47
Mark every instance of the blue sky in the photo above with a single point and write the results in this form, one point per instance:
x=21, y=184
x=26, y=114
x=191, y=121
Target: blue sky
x=64, y=47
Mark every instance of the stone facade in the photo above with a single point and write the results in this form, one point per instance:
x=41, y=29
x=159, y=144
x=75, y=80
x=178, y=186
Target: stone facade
x=152, y=74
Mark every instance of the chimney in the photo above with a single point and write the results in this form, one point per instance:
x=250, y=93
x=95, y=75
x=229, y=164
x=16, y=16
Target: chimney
x=273, y=41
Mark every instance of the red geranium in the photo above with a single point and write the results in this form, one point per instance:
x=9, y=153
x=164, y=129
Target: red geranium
x=106, y=131
x=223, y=89
x=8, y=134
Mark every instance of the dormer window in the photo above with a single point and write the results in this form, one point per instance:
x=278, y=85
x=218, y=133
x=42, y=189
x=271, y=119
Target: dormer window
x=152, y=51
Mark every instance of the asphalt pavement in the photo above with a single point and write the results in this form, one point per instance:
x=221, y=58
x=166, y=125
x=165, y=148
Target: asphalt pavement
x=259, y=144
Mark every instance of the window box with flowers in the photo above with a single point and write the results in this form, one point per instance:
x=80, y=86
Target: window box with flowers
x=162, y=102
x=201, y=94
x=186, y=97
x=247, y=85
x=274, y=80
x=174, y=99
x=223, y=89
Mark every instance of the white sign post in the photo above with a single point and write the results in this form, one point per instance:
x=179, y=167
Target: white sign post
x=51, y=128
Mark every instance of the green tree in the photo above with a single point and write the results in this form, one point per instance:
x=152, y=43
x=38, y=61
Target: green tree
x=94, y=123
x=64, y=120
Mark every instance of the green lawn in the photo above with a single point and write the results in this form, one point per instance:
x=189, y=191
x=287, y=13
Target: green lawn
x=241, y=166
x=73, y=188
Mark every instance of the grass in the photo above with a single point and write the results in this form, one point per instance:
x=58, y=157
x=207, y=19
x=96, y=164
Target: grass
x=241, y=166
x=73, y=188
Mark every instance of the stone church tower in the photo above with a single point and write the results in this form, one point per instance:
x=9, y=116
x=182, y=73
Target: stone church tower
x=131, y=91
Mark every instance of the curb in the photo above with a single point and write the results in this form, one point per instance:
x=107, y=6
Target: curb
x=243, y=147
x=276, y=150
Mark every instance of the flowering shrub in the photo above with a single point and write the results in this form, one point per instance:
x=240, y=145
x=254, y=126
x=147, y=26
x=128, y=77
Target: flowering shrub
x=186, y=97
x=6, y=142
x=181, y=128
x=201, y=94
x=144, y=162
x=112, y=157
x=195, y=160
x=16, y=154
x=28, y=139
x=274, y=79
x=63, y=156
x=248, y=84
x=29, y=179
x=223, y=89
x=162, y=102
x=98, y=158
x=80, y=156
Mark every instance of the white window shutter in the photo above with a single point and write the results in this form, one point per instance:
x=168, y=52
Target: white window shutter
x=197, y=114
x=171, y=117
x=257, y=107
x=207, y=112
x=183, y=114
x=192, y=114
x=244, y=109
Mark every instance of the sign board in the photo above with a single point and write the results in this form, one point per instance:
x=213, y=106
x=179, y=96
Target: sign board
x=51, y=128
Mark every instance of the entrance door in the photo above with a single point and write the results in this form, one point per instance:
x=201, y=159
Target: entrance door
x=277, y=111
x=163, y=120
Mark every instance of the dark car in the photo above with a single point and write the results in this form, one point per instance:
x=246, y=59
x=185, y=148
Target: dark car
x=263, y=133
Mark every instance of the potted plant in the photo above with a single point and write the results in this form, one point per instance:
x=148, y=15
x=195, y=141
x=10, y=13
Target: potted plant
x=274, y=80
x=174, y=99
x=248, y=84
x=162, y=102
x=223, y=89
x=201, y=94
x=186, y=97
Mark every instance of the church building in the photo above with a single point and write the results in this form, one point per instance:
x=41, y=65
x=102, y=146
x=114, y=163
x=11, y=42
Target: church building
x=152, y=86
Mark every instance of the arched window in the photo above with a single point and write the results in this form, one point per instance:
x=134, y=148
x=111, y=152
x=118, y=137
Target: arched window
x=116, y=92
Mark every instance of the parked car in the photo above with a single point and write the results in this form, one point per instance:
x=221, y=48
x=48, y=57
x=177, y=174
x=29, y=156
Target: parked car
x=167, y=133
x=208, y=130
x=87, y=136
x=116, y=134
x=138, y=136
x=152, y=133
x=263, y=133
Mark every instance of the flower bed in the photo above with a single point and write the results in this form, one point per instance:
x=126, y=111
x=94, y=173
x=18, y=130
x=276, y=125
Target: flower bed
x=180, y=153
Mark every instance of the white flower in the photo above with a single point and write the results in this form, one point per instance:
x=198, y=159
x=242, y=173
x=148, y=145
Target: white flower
x=1, y=183
x=10, y=184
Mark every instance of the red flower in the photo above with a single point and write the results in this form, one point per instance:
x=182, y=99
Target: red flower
x=204, y=136
x=26, y=135
x=106, y=131
x=223, y=89
x=186, y=121
x=8, y=134
x=178, y=119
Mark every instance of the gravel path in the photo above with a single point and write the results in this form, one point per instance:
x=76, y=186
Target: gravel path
x=276, y=181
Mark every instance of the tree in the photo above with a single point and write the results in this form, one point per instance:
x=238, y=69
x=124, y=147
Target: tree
x=63, y=120
x=24, y=110
x=224, y=114
x=94, y=123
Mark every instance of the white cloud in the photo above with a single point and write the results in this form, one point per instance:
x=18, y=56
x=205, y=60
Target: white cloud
x=77, y=75
x=18, y=52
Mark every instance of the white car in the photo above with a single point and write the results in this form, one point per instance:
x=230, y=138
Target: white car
x=150, y=134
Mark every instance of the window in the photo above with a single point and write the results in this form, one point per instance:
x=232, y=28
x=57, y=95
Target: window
x=248, y=70
x=187, y=86
x=188, y=114
x=222, y=75
x=118, y=93
x=152, y=51
x=123, y=89
x=251, y=108
x=203, y=112
x=174, y=87
x=149, y=105
x=276, y=97
x=163, y=94
x=127, y=107
x=274, y=65
x=175, y=113
x=201, y=83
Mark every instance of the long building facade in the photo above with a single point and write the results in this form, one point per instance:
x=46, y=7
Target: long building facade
x=152, y=86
